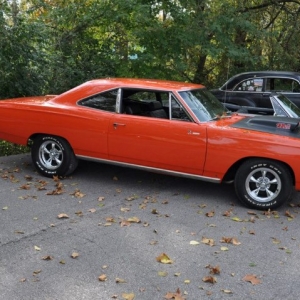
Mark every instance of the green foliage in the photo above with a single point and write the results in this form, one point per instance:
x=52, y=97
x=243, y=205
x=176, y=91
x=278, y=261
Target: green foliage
x=7, y=148
x=49, y=46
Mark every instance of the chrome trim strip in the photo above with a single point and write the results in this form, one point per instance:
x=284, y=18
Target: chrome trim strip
x=151, y=169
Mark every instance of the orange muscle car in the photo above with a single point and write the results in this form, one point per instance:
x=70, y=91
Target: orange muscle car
x=170, y=127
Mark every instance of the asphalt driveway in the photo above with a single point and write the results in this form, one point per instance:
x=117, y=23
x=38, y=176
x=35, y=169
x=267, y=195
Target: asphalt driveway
x=115, y=233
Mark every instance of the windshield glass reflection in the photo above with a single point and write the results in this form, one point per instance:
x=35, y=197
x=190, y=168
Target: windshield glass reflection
x=204, y=105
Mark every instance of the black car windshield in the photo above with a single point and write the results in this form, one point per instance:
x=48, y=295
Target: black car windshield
x=284, y=107
x=204, y=104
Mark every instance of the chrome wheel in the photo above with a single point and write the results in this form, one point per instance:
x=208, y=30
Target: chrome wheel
x=263, y=184
x=51, y=155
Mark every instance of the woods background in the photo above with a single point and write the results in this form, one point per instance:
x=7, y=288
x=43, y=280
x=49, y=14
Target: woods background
x=50, y=46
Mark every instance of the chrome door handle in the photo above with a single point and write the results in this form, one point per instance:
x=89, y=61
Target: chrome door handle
x=118, y=124
x=193, y=132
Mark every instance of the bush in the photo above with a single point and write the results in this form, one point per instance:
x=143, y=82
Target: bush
x=7, y=148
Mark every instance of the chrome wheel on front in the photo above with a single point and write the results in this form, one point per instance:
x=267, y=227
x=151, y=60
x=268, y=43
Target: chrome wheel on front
x=51, y=155
x=263, y=184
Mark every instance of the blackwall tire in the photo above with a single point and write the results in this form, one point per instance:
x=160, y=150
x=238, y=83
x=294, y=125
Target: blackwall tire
x=53, y=156
x=263, y=184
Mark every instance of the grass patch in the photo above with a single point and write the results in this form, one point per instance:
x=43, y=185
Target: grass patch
x=7, y=148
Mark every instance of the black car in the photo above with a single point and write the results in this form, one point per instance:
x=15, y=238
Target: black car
x=253, y=89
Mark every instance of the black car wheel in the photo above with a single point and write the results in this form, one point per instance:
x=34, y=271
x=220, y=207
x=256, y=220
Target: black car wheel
x=263, y=184
x=53, y=156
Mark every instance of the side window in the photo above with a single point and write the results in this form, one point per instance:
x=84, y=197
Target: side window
x=250, y=85
x=146, y=103
x=178, y=111
x=283, y=85
x=104, y=101
x=146, y=96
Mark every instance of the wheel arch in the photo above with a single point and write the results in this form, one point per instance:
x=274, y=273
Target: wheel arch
x=38, y=134
x=230, y=174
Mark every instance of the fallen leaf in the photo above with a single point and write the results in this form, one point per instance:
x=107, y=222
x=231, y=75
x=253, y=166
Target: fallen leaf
x=128, y=296
x=236, y=219
x=120, y=280
x=213, y=270
x=276, y=241
x=47, y=257
x=24, y=187
x=134, y=220
x=74, y=255
x=102, y=277
x=227, y=291
x=62, y=216
x=164, y=259
x=227, y=213
x=162, y=273
x=209, y=279
x=125, y=209
x=131, y=198
x=252, y=278
x=36, y=272
x=210, y=214
x=252, y=213
x=153, y=243
x=194, y=243
x=177, y=295
x=207, y=241
x=288, y=214
x=58, y=191
x=224, y=249
x=124, y=223
x=77, y=194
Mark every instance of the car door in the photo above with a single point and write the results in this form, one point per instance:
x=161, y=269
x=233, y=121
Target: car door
x=248, y=92
x=289, y=87
x=176, y=145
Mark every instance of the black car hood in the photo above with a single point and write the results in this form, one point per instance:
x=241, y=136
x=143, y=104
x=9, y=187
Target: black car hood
x=274, y=125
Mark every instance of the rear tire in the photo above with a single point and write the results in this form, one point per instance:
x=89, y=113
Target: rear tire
x=263, y=184
x=53, y=156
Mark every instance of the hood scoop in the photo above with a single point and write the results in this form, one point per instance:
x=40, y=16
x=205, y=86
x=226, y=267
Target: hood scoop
x=275, y=122
x=276, y=125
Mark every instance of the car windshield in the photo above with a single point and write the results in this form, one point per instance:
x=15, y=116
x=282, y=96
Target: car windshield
x=204, y=105
x=284, y=107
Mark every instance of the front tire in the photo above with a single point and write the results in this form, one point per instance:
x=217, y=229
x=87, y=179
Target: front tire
x=263, y=184
x=53, y=156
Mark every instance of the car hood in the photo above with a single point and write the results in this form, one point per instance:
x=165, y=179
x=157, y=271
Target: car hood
x=275, y=125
